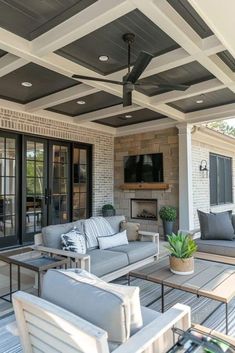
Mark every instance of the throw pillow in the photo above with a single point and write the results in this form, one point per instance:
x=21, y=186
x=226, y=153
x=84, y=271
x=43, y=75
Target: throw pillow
x=132, y=292
x=95, y=227
x=132, y=230
x=216, y=226
x=88, y=300
x=113, y=240
x=74, y=241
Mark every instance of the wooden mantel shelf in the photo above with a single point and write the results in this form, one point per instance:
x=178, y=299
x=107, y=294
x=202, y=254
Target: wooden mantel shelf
x=144, y=186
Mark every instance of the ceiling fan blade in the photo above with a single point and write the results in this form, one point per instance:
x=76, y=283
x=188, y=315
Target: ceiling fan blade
x=173, y=87
x=80, y=77
x=127, y=97
x=140, y=65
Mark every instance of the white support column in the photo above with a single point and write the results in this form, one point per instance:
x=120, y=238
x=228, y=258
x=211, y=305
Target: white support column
x=185, y=177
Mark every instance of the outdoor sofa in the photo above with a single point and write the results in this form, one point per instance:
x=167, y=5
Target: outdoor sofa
x=109, y=263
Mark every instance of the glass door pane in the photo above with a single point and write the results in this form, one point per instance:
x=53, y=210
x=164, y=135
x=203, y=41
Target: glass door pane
x=59, y=184
x=34, y=215
x=80, y=183
x=8, y=230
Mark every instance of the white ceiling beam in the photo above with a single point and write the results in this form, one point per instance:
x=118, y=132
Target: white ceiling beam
x=63, y=96
x=9, y=63
x=219, y=16
x=152, y=125
x=217, y=113
x=90, y=19
x=194, y=90
x=107, y=112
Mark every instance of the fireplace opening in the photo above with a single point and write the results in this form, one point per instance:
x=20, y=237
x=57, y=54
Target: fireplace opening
x=144, y=209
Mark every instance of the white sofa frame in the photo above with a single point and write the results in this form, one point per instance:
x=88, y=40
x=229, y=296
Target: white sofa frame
x=45, y=327
x=83, y=261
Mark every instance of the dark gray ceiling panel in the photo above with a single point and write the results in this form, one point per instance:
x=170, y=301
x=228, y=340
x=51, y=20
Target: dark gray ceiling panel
x=43, y=81
x=188, y=74
x=228, y=59
x=95, y=101
x=108, y=41
x=188, y=13
x=31, y=18
x=2, y=53
x=210, y=100
x=138, y=116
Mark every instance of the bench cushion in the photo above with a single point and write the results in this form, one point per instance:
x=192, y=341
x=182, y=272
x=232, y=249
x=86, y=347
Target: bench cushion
x=115, y=221
x=218, y=247
x=136, y=250
x=106, y=261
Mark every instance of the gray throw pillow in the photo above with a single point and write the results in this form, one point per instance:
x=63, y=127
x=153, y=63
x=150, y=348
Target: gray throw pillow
x=215, y=226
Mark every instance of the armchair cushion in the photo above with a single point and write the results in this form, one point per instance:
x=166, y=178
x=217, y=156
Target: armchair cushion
x=86, y=298
x=115, y=221
x=136, y=250
x=113, y=240
x=132, y=230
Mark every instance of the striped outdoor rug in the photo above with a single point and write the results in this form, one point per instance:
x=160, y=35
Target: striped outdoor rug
x=204, y=311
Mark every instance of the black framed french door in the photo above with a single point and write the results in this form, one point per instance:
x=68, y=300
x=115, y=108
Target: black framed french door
x=42, y=182
x=9, y=186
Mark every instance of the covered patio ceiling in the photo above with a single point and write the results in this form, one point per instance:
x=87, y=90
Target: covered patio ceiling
x=45, y=42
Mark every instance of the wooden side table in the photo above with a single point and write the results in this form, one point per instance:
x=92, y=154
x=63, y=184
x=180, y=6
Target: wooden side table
x=32, y=260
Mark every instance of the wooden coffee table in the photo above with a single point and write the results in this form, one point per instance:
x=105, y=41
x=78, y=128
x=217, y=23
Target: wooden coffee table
x=210, y=279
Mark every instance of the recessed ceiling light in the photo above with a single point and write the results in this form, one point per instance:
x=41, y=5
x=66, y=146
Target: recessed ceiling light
x=199, y=101
x=26, y=84
x=103, y=58
x=81, y=102
x=128, y=116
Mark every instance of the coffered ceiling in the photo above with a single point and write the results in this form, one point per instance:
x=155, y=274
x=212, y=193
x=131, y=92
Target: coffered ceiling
x=43, y=43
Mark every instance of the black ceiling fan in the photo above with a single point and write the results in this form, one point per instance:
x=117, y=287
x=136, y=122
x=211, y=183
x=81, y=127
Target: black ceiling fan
x=130, y=80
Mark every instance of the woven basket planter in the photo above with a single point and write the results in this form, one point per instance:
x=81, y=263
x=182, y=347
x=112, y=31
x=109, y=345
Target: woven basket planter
x=182, y=266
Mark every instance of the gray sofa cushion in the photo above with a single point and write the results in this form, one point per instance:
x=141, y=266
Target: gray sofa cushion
x=216, y=225
x=233, y=221
x=136, y=250
x=51, y=235
x=218, y=247
x=106, y=261
x=115, y=221
x=148, y=315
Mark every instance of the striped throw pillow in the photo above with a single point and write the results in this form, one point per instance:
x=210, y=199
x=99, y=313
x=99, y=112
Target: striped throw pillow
x=74, y=241
x=95, y=227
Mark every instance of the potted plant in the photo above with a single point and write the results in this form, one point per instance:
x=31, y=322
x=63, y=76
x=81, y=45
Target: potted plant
x=108, y=210
x=168, y=217
x=181, y=248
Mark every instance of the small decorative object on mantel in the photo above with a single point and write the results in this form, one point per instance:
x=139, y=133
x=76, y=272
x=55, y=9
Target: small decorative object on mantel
x=108, y=210
x=181, y=248
x=168, y=217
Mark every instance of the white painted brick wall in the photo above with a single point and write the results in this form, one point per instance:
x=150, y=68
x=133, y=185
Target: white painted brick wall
x=103, y=147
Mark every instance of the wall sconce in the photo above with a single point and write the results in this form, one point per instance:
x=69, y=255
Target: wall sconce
x=204, y=169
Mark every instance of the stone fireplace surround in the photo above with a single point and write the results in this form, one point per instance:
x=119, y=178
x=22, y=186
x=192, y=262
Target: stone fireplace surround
x=165, y=141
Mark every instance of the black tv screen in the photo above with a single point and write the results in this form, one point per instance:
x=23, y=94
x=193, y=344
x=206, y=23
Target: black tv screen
x=144, y=168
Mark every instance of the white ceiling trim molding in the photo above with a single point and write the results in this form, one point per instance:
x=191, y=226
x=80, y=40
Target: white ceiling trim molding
x=152, y=125
x=63, y=96
x=107, y=112
x=91, y=18
x=9, y=63
x=218, y=113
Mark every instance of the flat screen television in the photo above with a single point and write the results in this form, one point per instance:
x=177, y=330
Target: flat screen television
x=143, y=168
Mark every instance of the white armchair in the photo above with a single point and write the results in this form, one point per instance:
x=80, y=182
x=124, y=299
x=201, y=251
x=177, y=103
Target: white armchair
x=45, y=327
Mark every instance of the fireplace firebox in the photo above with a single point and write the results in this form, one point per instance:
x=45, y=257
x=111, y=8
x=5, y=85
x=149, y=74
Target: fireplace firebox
x=144, y=209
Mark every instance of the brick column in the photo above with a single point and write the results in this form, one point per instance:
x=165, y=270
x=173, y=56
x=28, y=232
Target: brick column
x=185, y=177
